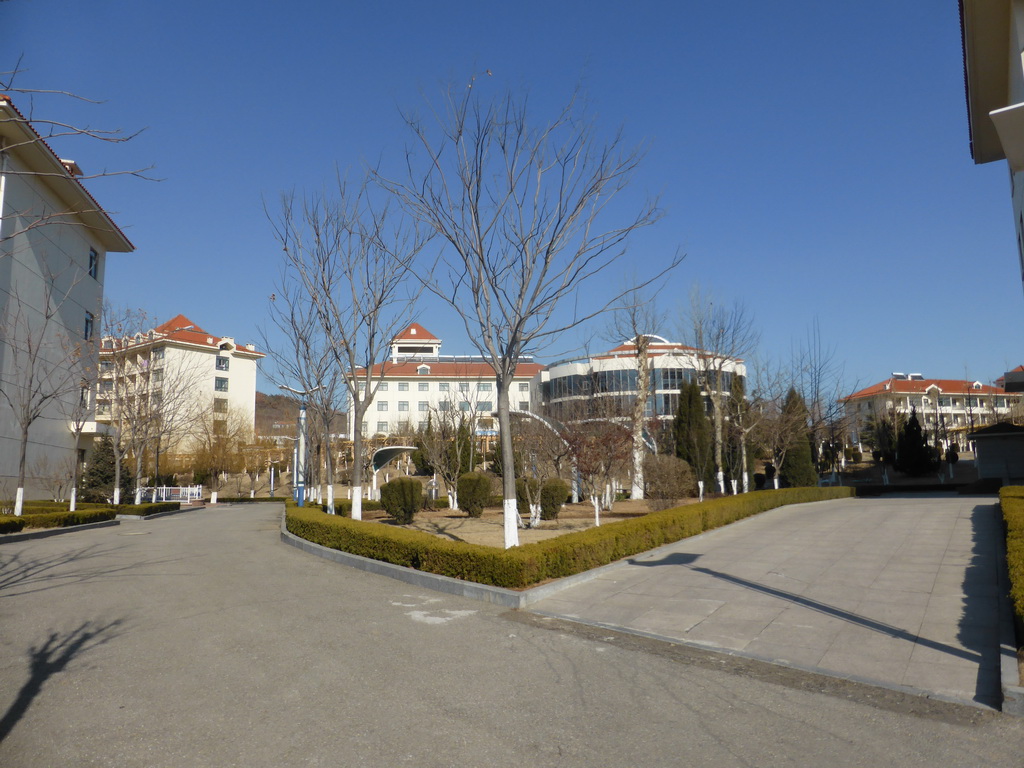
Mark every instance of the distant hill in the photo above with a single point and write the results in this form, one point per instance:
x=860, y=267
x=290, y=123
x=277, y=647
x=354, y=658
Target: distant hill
x=276, y=414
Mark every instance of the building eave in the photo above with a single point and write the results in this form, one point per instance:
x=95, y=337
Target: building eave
x=985, y=30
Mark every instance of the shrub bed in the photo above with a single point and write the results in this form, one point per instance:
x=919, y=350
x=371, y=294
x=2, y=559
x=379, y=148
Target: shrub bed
x=521, y=567
x=248, y=500
x=65, y=519
x=11, y=524
x=1011, y=500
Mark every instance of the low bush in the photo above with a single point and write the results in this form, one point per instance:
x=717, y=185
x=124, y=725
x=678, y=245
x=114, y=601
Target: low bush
x=669, y=479
x=527, y=488
x=553, y=495
x=248, y=500
x=343, y=507
x=474, y=492
x=402, y=498
x=1011, y=500
x=11, y=524
x=524, y=566
x=66, y=519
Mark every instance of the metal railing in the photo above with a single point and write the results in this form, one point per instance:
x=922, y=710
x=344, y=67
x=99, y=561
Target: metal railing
x=186, y=493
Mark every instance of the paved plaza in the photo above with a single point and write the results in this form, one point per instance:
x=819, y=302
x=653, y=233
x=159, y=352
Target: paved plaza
x=899, y=591
x=201, y=640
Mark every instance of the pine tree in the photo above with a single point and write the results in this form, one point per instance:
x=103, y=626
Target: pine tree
x=693, y=432
x=913, y=454
x=98, y=480
x=798, y=466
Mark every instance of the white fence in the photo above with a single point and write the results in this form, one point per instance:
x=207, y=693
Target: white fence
x=184, y=493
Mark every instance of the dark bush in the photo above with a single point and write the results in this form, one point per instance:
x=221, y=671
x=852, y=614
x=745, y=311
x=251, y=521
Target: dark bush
x=522, y=498
x=402, y=498
x=669, y=479
x=474, y=492
x=553, y=495
x=11, y=524
x=759, y=481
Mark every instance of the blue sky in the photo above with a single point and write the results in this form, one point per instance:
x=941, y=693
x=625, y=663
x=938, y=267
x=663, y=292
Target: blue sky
x=811, y=158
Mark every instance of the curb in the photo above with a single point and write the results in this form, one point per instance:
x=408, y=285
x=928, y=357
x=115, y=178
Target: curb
x=47, y=532
x=157, y=515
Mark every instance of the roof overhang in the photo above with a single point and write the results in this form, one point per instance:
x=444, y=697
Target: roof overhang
x=985, y=34
x=20, y=138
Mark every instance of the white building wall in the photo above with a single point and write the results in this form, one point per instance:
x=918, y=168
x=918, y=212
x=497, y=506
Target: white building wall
x=30, y=256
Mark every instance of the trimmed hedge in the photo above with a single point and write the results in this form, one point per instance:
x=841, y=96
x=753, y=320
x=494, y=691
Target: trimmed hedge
x=1011, y=500
x=342, y=507
x=66, y=519
x=248, y=500
x=11, y=524
x=521, y=567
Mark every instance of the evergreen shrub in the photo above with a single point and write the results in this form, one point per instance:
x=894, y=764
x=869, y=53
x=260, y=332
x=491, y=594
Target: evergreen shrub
x=553, y=495
x=1011, y=500
x=522, y=498
x=474, y=492
x=402, y=498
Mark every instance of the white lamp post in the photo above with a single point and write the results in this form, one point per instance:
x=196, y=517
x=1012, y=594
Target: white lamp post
x=300, y=443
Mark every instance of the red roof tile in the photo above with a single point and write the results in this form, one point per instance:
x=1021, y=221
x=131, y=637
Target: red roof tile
x=920, y=386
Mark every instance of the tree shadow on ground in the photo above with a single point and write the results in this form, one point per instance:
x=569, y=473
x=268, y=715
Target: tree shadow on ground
x=22, y=575
x=51, y=657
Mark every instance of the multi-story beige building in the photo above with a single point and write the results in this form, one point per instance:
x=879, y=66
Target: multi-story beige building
x=177, y=376
x=948, y=408
x=54, y=241
x=418, y=379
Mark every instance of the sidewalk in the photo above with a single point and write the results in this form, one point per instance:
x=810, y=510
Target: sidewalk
x=901, y=592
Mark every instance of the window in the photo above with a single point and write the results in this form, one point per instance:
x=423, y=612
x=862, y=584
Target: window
x=158, y=354
x=463, y=386
x=524, y=386
x=463, y=406
x=444, y=406
x=94, y=263
x=382, y=426
x=362, y=428
x=220, y=405
x=403, y=386
x=382, y=405
x=220, y=384
x=403, y=405
x=442, y=386
x=158, y=377
x=485, y=386
x=222, y=363
x=423, y=386
x=87, y=328
x=524, y=405
x=423, y=406
x=484, y=406
x=106, y=366
x=107, y=385
x=102, y=408
x=362, y=386
x=383, y=387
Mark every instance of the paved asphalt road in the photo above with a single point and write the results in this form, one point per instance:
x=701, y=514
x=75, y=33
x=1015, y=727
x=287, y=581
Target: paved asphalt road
x=201, y=640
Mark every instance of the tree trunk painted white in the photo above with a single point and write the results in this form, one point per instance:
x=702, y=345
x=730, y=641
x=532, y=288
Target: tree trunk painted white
x=700, y=490
x=511, y=526
x=743, y=461
x=775, y=482
x=74, y=499
x=117, y=495
x=357, y=502
x=534, y=515
x=19, y=501
x=597, y=509
x=735, y=487
x=453, y=500
x=746, y=482
x=252, y=493
x=138, y=495
x=721, y=481
x=213, y=497
x=330, y=499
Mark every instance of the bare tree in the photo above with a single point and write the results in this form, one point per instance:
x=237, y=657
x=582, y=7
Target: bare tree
x=819, y=378
x=636, y=321
x=723, y=335
x=522, y=208
x=307, y=363
x=218, y=446
x=353, y=258
x=446, y=443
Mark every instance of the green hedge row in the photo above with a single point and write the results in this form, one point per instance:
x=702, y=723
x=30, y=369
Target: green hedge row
x=66, y=519
x=248, y=500
x=530, y=564
x=1011, y=500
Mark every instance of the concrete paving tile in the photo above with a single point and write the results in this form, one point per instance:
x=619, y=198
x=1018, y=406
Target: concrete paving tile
x=896, y=597
x=784, y=653
x=752, y=612
x=949, y=680
x=850, y=664
x=815, y=636
x=734, y=634
x=945, y=653
x=908, y=617
x=898, y=646
x=667, y=623
x=658, y=587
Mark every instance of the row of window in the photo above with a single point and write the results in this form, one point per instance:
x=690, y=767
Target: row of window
x=442, y=386
x=423, y=406
x=622, y=380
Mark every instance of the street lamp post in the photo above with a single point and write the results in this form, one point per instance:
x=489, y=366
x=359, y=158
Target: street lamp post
x=300, y=444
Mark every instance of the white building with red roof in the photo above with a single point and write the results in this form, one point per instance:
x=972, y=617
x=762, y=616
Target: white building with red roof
x=952, y=407
x=192, y=372
x=54, y=241
x=572, y=388
x=417, y=379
